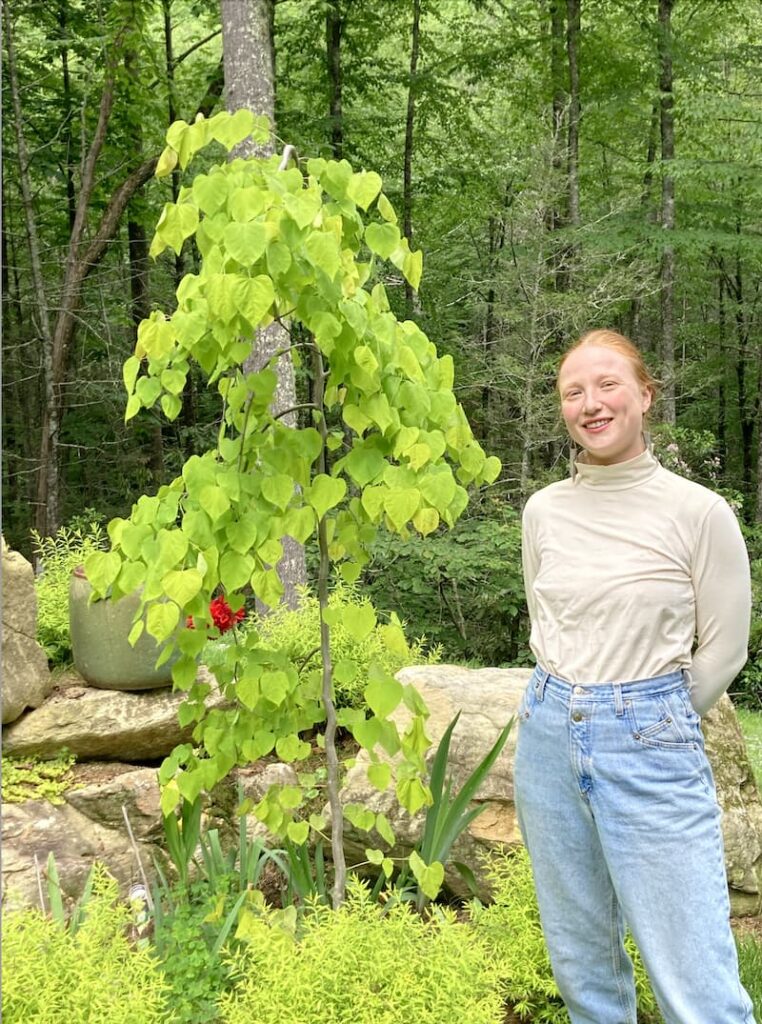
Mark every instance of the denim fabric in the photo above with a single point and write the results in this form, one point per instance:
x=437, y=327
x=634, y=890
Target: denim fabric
x=617, y=806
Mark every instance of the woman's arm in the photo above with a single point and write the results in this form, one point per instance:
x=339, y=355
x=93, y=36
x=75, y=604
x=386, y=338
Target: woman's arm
x=722, y=587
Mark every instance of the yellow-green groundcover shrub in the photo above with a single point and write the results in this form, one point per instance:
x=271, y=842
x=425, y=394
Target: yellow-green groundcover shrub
x=93, y=976
x=357, y=966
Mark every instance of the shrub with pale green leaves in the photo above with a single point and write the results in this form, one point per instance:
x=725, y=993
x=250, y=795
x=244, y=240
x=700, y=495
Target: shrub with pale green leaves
x=357, y=965
x=297, y=633
x=59, y=556
x=93, y=976
x=511, y=928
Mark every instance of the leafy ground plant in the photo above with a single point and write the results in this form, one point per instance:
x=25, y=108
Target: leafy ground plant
x=750, y=964
x=58, y=556
x=355, y=965
x=298, y=632
x=55, y=976
x=511, y=928
x=29, y=778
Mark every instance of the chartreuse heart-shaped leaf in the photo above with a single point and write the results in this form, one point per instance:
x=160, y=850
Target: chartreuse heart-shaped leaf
x=428, y=876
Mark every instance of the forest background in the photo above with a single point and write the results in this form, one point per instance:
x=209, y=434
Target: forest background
x=562, y=164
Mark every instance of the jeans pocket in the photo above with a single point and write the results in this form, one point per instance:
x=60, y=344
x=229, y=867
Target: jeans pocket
x=661, y=720
x=527, y=701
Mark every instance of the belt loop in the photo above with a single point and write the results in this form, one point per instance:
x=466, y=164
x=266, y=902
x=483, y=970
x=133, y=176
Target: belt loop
x=540, y=687
x=618, y=702
x=687, y=679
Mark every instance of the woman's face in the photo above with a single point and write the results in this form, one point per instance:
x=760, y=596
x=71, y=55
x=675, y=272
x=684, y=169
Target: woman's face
x=603, y=404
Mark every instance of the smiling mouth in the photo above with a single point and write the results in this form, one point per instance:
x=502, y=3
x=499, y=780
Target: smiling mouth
x=596, y=426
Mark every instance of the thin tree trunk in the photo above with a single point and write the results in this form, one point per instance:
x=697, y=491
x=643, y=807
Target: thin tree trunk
x=722, y=442
x=746, y=406
x=46, y=511
x=667, y=211
x=332, y=761
x=63, y=10
x=407, y=168
x=334, y=27
x=558, y=85
x=758, y=507
x=188, y=411
x=572, y=34
x=247, y=48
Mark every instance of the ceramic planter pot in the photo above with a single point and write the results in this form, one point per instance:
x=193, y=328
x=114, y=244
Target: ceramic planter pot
x=102, y=653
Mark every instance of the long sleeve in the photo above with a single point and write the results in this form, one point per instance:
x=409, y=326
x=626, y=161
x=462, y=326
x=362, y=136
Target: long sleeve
x=722, y=589
x=529, y=561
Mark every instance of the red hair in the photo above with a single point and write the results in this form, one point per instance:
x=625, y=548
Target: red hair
x=605, y=338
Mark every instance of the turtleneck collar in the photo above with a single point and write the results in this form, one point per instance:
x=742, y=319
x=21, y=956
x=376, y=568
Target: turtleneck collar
x=619, y=476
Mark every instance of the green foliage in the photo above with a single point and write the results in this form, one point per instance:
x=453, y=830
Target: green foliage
x=298, y=633
x=186, y=942
x=355, y=966
x=390, y=445
x=29, y=778
x=750, y=722
x=747, y=689
x=59, y=556
x=750, y=965
x=463, y=589
x=54, y=976
x=511, y=928
x=447, y=817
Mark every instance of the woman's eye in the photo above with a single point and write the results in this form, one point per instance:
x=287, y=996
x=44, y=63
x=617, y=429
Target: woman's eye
x=609, y=384
x=572, y=394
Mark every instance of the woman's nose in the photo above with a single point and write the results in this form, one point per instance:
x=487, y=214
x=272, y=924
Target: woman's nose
x=591, y=402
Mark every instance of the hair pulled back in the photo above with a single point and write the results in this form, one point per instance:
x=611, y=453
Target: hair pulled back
x=605, y=338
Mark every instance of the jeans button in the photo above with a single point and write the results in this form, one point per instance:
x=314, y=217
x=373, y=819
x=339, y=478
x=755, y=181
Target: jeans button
x=577, y=716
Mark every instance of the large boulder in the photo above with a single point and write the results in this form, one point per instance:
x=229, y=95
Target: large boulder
x=91, y=826
x=487, y=699
x=104, y=724
x=26, y=676
x=37, y=828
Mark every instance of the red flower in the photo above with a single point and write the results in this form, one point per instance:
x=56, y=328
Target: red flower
x=223, y=615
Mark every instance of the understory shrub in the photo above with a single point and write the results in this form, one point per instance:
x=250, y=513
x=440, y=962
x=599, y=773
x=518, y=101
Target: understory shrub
x=93, y=976
x=297, y=633
x=463, y=589
x=750, y=964
x=357, y=965
x=511, y=928
x=747, y=688
x=58, y=556
x=195, y=973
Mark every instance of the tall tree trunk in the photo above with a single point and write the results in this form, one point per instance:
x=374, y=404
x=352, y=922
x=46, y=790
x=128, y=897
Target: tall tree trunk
x=746, y=404
x=558, y=86
x=247, y=47
x=758, y=507
x=667, y=210
x=139, y=268
x=722, y=442
x=46, y=511
x=645, y=342
x=334, y=27
x=572, y=35
x=63, y=11
x=407, y=168
x=188, y=411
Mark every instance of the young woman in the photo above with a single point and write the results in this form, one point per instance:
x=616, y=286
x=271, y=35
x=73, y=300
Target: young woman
x=625, y=564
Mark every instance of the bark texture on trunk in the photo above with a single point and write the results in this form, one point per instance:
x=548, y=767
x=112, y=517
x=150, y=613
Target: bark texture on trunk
x=334, y=27
x=247, y=48
x=407, y=168
x=572, y=163
x=667, y=210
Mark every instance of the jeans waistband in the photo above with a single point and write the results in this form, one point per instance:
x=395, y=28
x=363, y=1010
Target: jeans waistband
x=609, y=691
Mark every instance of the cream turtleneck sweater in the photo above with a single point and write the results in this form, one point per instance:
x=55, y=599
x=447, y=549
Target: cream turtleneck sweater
x=624, y=566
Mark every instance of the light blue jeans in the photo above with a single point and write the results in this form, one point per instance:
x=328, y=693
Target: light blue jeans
x=617, y=807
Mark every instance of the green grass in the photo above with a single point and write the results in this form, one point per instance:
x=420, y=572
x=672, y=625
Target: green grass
x=751, y=726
